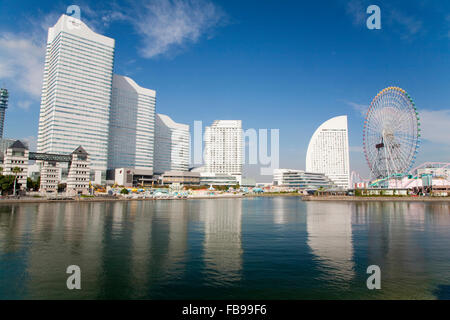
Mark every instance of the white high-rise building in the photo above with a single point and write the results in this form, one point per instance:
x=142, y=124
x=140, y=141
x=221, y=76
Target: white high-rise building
x=223, y=147
x=328, y=151
x=171, y=145
x=76, y=91
x=131, y=126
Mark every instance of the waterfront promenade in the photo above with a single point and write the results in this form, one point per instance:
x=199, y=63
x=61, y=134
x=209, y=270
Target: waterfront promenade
x=225, y=196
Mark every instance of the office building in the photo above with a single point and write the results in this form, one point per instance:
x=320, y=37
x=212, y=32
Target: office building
x=131, y=126
x=171, y=145
x=4, y=96
x=328, y=151
x=299, y=179
x=223, y=148
x=76, y=92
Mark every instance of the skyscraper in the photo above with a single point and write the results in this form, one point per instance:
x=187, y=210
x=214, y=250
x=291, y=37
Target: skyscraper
x=171, y=145
x=3, y=106
x=328, y=151
x=131, y=126
x=76, y=91
x=223, y=147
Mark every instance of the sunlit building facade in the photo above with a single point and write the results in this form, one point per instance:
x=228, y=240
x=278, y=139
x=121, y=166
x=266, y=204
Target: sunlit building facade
x=299, y=179
x=223, y=147
x=76, y=92
x=328, y=151
x=132, y=125
x=172, y=143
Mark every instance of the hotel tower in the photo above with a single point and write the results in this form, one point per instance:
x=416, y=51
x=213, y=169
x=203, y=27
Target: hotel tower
x=76, y=92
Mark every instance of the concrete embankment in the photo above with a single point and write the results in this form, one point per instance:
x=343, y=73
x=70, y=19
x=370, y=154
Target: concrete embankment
x=381, y=198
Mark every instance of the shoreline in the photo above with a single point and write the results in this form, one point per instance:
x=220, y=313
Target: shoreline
x=376, y=199
x=303, y=198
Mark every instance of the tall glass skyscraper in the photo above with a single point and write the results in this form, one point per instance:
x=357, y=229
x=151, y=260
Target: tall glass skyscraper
x=328, y=151
x=131, y=126
x=172, y=143
x=3, y=106
x=76, y=91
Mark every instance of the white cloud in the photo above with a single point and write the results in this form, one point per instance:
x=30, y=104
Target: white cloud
x=32, y=142
x=168, y=25
x=435, y=126
x=407, y=25
x=22, y=63
x=393, y=19
x=360, y=108
x=24, y=104
x=357, y=11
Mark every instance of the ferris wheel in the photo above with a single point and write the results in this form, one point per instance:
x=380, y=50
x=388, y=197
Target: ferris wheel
x=391, y=134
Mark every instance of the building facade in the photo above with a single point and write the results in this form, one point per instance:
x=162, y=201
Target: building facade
x=4, y=96
x=328, y=151
x=76, y=92
x=182, y=177
x=172, y=145
x=223, y=147
x=79, y=168
x=132, y=125
x=50, y=177
x=17, y=156
x=299, y=179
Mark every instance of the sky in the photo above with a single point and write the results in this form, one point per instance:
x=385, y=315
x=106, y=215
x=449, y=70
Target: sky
x=287, y=65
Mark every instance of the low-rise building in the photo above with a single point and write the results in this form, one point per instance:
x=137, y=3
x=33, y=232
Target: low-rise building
x=16, y=155
x=131, y=177
x=50, y=177
x=186, y=178
x=217, y=179
x=299, y=179
x=79, y=169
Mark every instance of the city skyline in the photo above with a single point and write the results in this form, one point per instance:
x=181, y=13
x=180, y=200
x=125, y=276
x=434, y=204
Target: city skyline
x=166, y=72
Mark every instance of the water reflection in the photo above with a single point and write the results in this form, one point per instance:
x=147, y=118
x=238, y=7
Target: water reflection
x=250, y=248
x=329, y=230
x=222, y=243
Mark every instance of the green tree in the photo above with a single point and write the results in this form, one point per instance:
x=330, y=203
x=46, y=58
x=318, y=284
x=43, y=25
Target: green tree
x=7, y=183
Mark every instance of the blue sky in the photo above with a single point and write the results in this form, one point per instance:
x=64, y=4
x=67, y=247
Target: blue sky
x=274, y=64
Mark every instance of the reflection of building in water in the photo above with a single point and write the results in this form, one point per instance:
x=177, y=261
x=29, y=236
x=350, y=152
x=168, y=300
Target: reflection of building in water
x=222, y=244
x=279, y=212
x=70, y=234
x=329, y=227
x=178, y=235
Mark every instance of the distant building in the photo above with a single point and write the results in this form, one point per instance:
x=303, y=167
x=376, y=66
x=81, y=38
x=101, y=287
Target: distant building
x=328, y=151
x=217, y=179
x=76, y=93
x=16, y=156
x=223, y=148
x=132, y=125
x=185, y=178
x=4, y=96
x=78, y=178
x=172, y=145
x=299, y=179
x=130, y=177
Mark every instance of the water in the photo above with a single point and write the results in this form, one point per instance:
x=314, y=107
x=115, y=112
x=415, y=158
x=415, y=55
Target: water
x=254, y=248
